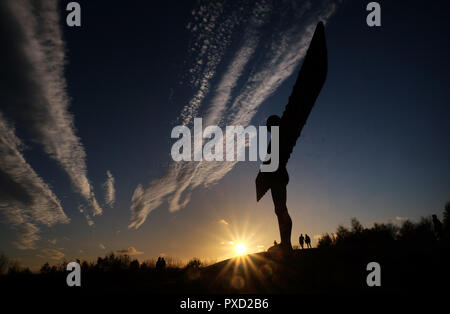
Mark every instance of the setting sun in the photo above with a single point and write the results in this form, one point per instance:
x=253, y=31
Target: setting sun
x=240, y=248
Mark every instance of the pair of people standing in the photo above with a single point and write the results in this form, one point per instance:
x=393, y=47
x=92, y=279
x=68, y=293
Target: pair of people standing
x=304, y=240
x=160, y=263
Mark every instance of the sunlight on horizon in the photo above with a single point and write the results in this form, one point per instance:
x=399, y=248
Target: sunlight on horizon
x=240, y=248
x=239, y=236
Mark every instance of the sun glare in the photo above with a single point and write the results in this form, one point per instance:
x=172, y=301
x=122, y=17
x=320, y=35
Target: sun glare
x=240, y=248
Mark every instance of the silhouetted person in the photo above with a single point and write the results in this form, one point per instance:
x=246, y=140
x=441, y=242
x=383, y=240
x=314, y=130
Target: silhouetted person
x=158, y=263
x=308, y=241
x=437, y=225
x=275, y=243
x=301, y=240
x=310, y=80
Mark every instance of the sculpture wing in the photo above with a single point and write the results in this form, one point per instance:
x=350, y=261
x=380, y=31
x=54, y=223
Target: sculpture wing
x=262, y=184
x=309, y=83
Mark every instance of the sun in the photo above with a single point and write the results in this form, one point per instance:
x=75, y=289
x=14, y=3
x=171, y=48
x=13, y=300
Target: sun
x=240, y=248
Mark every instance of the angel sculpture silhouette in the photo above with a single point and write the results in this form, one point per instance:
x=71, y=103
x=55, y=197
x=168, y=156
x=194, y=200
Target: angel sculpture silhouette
x=309, y=83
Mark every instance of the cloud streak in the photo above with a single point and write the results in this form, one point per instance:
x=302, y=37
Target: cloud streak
x=33, y=86
x=25, y=199
x=277, y=57
x=130, y=251
x=110, y=192
x=51, y=254
x=86, y=215
x=212, y=25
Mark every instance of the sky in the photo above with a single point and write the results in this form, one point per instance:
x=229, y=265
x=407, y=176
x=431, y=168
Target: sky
x=86, y=115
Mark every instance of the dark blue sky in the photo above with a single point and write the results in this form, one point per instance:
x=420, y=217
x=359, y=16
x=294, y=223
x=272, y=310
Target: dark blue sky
x=375, y=146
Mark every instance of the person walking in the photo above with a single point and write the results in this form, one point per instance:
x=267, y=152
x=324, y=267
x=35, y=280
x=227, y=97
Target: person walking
x=301, y=240
x=308, y=241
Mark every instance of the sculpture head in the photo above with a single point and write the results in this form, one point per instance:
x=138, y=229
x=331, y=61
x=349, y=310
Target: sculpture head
x=273, y=120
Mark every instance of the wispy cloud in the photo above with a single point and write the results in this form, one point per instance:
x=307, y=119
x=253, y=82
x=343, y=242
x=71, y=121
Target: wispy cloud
x=277, y=58
x=399, y=218
x=224, y=222
x=52, y=241
x=89, y=220
x=212, y=25
x=110, y=192
x=103, y=247
x=51, y=254
x=130, y=251
x=33, y=86
x=25, y=200
x=28, y=235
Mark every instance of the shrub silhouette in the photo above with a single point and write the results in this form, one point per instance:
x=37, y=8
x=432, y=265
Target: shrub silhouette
x=4, y=262
x=194, y=263
x=384, y=234
x=446, y=220
x=336, y=264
